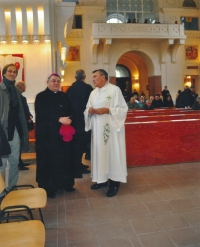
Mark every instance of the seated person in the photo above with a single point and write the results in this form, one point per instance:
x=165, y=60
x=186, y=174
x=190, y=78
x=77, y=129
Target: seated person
x=132, y=104
x=196, y=105
x=148, y=105
x=141, y=102
x=151, y=97
x=157, y=102
x=168, y=102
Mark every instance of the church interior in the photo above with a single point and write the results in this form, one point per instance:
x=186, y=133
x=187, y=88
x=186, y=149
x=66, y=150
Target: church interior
x=144, y=45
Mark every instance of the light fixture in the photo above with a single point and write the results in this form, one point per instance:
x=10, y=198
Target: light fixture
x=63, y=54
x=13, y=40
x=62, y=72
x=25, y=40
x=35, y=39
x=47, y=39
x=3, y=40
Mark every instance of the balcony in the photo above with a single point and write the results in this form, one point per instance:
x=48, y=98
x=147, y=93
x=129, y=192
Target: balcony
x=164, y=34
x=138, y=31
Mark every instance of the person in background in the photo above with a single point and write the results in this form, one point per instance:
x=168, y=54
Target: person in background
x=78, y=95
x=135, y=93
x=165, y=93
x=126, y=95
x=132, y=104
x=196, y=105
x=178, y=96
x=142, y=94
x=22, y=88
x=14, y=124
x=157, y=102
x=105, y=115
x=141, y=102
x=148, y=105
x=194, y=95
x=151, y=97
x=186, y=99
x=168, y=102
x=55, y=166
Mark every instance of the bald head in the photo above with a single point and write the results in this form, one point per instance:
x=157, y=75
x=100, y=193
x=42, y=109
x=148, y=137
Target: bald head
x=21, y=86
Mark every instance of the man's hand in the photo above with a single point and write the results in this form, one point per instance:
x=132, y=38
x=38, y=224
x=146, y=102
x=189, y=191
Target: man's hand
x=91, y=111
x=65, y=120
x=103, y=110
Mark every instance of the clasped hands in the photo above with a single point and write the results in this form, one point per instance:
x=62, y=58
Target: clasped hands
x=98, y=111
x=65, y=120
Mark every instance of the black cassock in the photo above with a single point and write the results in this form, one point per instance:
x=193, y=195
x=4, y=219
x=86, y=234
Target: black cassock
x=55, y=165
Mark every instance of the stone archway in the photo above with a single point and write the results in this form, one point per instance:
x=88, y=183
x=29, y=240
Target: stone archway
x=143, y=70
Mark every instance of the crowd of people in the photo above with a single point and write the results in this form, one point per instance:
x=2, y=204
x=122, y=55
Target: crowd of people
x=188, y=98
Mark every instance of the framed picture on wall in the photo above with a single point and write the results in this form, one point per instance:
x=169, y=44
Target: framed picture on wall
x=191, y=52
x=17, y=60
x=74, y=53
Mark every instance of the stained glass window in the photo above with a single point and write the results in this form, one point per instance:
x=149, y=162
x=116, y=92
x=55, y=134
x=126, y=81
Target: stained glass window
x=131, y=10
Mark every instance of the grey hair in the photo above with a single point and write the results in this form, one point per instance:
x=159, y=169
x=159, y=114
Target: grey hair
x=148, y=100
x=80, y=74
x=102, y=72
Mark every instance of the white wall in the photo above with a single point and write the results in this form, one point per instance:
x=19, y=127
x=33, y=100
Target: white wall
x=37, y=67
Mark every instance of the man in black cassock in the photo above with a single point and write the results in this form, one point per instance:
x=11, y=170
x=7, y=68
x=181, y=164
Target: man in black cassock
x=78, y=95
x=55, y=165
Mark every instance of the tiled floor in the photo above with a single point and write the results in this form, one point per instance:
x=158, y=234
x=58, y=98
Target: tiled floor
x=158, y=207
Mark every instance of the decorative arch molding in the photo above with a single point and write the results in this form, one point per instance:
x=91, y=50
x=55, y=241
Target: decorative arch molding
x=149, y=62
x=174, y=44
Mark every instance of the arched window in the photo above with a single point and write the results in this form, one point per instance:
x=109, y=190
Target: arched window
x=130, y=11
x=121, y=71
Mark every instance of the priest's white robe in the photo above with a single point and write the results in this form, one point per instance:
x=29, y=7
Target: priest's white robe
x=108, y=150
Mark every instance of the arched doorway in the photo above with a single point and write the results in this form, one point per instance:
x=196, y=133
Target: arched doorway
x=136, y=78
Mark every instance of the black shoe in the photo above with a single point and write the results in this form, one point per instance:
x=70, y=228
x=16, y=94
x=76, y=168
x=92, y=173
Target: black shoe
x=87, y=156
x=85, y=171
x=85, y=166
x=26, y=164
x=70, y=189
x=22, y=168
x=51, y=194
x=98, y=186
x=112, y=191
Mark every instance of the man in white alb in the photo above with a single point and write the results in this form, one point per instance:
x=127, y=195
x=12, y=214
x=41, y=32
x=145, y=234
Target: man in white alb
x=105, y=115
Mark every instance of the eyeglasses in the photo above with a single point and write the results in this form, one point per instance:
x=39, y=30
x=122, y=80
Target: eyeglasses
x=54, y=81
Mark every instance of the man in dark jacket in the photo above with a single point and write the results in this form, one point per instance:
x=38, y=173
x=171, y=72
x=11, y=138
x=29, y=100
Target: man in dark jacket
x=157, y=102
x=186, y=99
x=78, y=95
x=14, y=125
x=22, y=87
